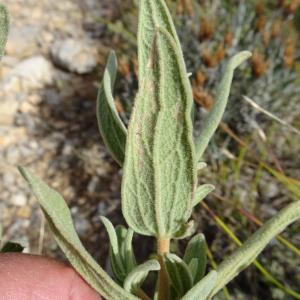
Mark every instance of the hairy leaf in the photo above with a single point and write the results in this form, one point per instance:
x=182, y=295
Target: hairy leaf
x=201, y=192
x=215, y=115
x=245, y=255
x=111, y=127
x=112, y=235
x=126, y=249
x=186, y=230
x=115, y=258
x=203, y=288
x=60, y=221
x=201, y=165
x=195, y=257
x=152, y=14
x=121, y=256
x=179, y=274
x=160, y=167
x=137, y=276
x=4, y=26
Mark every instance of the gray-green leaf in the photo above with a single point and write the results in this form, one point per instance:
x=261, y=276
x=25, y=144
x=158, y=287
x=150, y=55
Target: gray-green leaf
x=215, y=115
x=201, y=192
x=121, y=257
x=111, y=127
x=60, y=221
x=137, y=276
x=186, y=230
x=179, y=274
x=195, y=257
x=152, y=14
x=4, y=27
x=160, y=167
x=201, y=165
x=245, y=255
x=126, y=248
x=203, y=288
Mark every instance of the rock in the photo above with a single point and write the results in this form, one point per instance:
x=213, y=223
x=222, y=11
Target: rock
x=30, y=74
x=11, y=135
x=22, y=41
x=8, y=111
x=24, y=212
x=19, y=199
x=77, y=56
x=269, y=189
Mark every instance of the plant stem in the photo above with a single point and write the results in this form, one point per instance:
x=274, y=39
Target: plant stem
x=163, y=247
x=142, y=295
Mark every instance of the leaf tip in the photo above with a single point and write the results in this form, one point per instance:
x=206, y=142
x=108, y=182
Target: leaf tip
x=239, y=58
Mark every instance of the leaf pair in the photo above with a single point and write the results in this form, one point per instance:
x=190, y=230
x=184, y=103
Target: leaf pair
x=121, y=256
x=187, y=272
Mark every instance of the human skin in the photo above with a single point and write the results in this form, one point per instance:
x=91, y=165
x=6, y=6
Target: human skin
x=32, y=277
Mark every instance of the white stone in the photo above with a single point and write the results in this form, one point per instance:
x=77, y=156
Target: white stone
x=78, y=56
x=32, y=73
x=19, y=200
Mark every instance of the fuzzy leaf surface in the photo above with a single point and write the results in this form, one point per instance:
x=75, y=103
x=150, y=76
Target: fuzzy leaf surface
x=60, y=221
x=152, y=14
x=160, y=170
x=201, y=192
x=137, y=276
x=111, y=127
x=203, y=288
x=245, y=255
x=4, y=26
x=121, y=256
x=215, y=115
x=195, y=255
x=179, y=274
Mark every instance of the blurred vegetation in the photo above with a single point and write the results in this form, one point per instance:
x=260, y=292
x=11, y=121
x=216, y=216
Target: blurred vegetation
x=253, y=160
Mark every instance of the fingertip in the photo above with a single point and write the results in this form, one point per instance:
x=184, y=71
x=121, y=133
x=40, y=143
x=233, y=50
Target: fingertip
x=81, y=290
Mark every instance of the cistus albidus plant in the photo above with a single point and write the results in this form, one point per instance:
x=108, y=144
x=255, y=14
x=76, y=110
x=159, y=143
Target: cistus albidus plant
x=161, y=160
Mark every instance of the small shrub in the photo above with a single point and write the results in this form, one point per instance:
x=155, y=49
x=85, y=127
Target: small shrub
x=161, y=162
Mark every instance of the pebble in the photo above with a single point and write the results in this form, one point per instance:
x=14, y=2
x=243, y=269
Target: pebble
x=8, y=111
x=269, y=190
x=30, y=74
x=22, y=41
x=24, y=212
x=19, y=199
x=77, y=56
